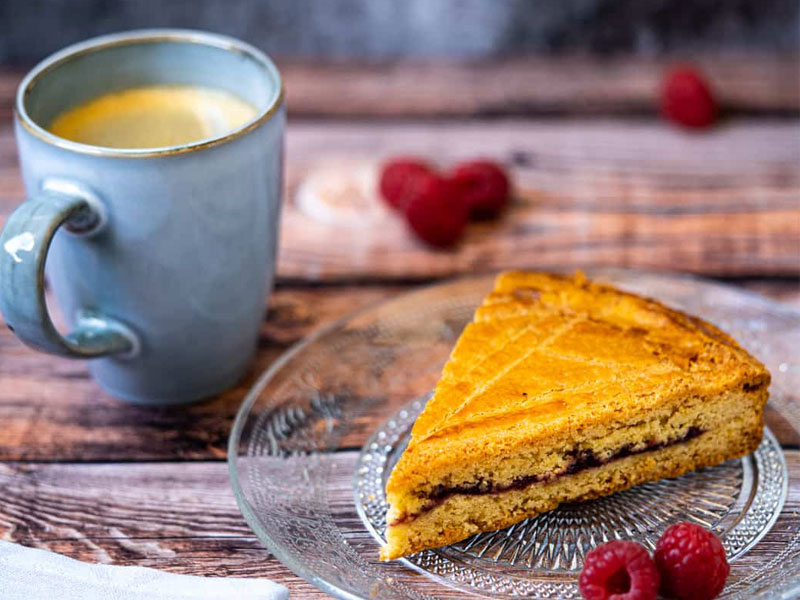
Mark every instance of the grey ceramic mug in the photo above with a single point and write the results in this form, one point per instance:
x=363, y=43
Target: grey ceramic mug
x=160, y=259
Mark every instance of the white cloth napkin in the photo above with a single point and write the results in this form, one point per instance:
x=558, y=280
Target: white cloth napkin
x=32, y=574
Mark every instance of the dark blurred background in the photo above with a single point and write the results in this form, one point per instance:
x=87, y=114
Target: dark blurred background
x=381, y=29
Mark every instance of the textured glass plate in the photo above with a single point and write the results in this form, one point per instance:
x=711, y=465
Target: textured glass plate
x=334, y=413
x=738, y=500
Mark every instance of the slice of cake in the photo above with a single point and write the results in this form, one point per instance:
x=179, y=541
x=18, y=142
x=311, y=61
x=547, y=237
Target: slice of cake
x=563, y=390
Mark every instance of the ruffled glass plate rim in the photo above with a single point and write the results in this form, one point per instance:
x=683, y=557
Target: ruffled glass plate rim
x=234, y=441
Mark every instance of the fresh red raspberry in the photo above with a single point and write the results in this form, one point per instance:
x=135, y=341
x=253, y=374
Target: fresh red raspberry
x=398, y=179
x=692, y=562
x=483, y=187
x=434, y=213
x=619, y=571
x=686, y=98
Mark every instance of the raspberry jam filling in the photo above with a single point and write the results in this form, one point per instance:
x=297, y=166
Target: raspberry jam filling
x=580, y=461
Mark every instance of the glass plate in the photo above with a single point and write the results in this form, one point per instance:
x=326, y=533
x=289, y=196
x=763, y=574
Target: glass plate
x=316, y=438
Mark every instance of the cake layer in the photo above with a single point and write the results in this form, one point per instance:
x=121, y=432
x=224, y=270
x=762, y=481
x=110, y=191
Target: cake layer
x=577, y=355
x=461, y=515
x=671, y=422
x=577, y=461
x=561, y=380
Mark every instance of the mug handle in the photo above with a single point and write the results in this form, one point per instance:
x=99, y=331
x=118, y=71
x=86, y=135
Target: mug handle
x=24, y=243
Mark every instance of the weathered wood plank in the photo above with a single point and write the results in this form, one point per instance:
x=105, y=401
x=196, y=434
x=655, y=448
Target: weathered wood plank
x=603, y=192
x=42, y=502
x=178, y=517
x=725, y=203
x=528, y=85
x=183, y=518
x=587, y=193
x=51, y=410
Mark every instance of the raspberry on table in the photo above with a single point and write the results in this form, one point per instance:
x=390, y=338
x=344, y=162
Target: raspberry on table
x=692, y=562
x=619, y=570
x=434, y=214
x=483, y=186
x=686, y=98
x=398, y=179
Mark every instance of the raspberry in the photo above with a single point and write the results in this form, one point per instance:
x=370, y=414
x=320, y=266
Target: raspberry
x=692, y=562
x=398, y=179
x=483, y=187
x=433, y=212
x=686, y=98
x=619, y=571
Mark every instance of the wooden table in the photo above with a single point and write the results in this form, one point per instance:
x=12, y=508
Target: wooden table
x=600, y=181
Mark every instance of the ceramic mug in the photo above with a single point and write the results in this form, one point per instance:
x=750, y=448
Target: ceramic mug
x=161, y=259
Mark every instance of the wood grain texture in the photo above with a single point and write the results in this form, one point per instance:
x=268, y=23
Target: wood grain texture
x=175, y=517
x=622, y=191
x=751, y=83
x=530, y=85
x=50, y=409
x=587, y=193
x=183, y=518
x=590, y=193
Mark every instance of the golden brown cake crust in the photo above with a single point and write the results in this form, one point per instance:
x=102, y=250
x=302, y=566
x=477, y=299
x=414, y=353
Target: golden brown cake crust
x=553, y=364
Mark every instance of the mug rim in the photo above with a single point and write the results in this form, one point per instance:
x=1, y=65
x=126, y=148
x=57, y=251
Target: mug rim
x=125, y=38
